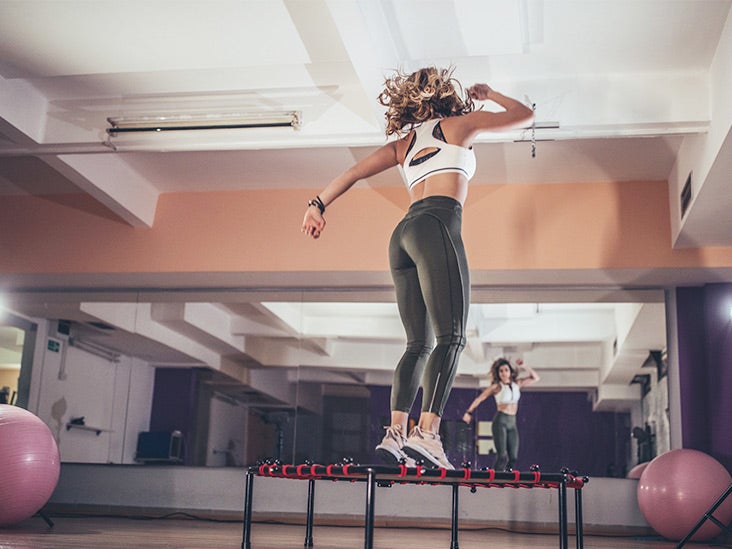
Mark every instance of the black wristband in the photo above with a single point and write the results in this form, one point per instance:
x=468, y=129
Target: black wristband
x=318, y=203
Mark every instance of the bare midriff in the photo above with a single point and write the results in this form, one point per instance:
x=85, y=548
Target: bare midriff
x=450, y=184
x=510, y=408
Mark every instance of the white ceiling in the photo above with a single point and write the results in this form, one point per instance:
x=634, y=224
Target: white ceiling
x=617, y=84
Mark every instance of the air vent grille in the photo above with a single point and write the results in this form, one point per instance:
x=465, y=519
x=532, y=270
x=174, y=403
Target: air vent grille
x=685, y=198
x=101, y=325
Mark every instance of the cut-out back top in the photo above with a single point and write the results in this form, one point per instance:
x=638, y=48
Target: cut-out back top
x=443, y=156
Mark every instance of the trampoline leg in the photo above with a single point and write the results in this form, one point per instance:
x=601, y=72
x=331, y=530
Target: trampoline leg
x=579, y=530
x=708, y=515
x=368, y=538
x=454, y=540
x=309, y=523
x=246, y=542
x=563, y=541
x=45, y=518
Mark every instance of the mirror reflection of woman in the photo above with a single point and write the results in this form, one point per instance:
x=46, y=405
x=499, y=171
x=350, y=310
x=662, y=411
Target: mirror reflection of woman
x=436, y=126
x=506, y=388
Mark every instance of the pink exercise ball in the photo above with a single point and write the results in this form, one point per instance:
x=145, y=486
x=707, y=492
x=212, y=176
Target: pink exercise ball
x=29, y=464
x=637, y=471
x=677, y=488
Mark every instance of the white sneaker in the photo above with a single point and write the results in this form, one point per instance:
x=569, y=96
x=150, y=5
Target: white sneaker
x=390, y=448
x=426, y=446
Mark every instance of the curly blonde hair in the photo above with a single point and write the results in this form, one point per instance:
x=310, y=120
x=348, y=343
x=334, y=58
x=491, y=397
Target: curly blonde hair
x=423, y=95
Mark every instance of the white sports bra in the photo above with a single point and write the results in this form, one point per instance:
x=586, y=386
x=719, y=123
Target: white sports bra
x=445, y=157
x=509, y=394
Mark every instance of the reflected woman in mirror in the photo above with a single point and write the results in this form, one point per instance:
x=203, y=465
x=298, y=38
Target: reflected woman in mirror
x=435, y=126
x=506, y=388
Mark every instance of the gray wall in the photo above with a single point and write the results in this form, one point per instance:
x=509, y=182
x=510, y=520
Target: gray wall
x=609, y=505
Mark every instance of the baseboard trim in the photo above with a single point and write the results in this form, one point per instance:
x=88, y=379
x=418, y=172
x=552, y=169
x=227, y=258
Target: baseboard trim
x=58, y=510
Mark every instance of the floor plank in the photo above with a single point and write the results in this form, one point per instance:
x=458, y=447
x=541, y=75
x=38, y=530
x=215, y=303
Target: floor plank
x=125, y=533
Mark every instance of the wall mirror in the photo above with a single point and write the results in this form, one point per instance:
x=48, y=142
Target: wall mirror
x=228, y=377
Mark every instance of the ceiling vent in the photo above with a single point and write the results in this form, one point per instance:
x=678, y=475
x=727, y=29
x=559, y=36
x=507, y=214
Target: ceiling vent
x=685, y=198
x=101, y=326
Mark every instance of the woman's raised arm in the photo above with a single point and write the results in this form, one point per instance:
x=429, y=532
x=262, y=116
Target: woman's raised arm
x=381, y=159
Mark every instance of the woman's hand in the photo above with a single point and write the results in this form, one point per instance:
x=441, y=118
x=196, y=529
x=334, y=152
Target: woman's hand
x=479, y=92
x=467, y=417
x=313, y=223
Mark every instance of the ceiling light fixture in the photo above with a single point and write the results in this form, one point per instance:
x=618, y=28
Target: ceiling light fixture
x=187, y=122
x=95, y=349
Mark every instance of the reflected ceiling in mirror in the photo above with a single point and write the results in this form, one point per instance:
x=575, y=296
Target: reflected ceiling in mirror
x=597, y=347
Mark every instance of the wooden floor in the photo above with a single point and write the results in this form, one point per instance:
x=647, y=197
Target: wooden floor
x=178, y=533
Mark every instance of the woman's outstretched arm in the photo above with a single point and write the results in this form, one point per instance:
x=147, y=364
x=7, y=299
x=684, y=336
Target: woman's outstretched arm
x=490, y=391
x=381, y=159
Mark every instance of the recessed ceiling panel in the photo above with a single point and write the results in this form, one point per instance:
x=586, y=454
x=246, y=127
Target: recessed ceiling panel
x=450, y=30
x=491, y=27
x=78, y=37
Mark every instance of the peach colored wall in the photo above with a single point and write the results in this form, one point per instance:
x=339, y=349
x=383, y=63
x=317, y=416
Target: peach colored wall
x=556, y=226
x=576, y=226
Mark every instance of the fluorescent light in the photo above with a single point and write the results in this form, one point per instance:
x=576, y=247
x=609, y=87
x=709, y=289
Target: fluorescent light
x=96, y=349
x=214, y=121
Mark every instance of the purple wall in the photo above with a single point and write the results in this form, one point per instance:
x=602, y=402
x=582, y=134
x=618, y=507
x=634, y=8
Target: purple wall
x=705, y=369
x=692, y=371
x=173, y=405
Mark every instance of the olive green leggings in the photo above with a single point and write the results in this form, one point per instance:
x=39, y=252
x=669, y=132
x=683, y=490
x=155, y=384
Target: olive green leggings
x=506, y=439
x=432, y=283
